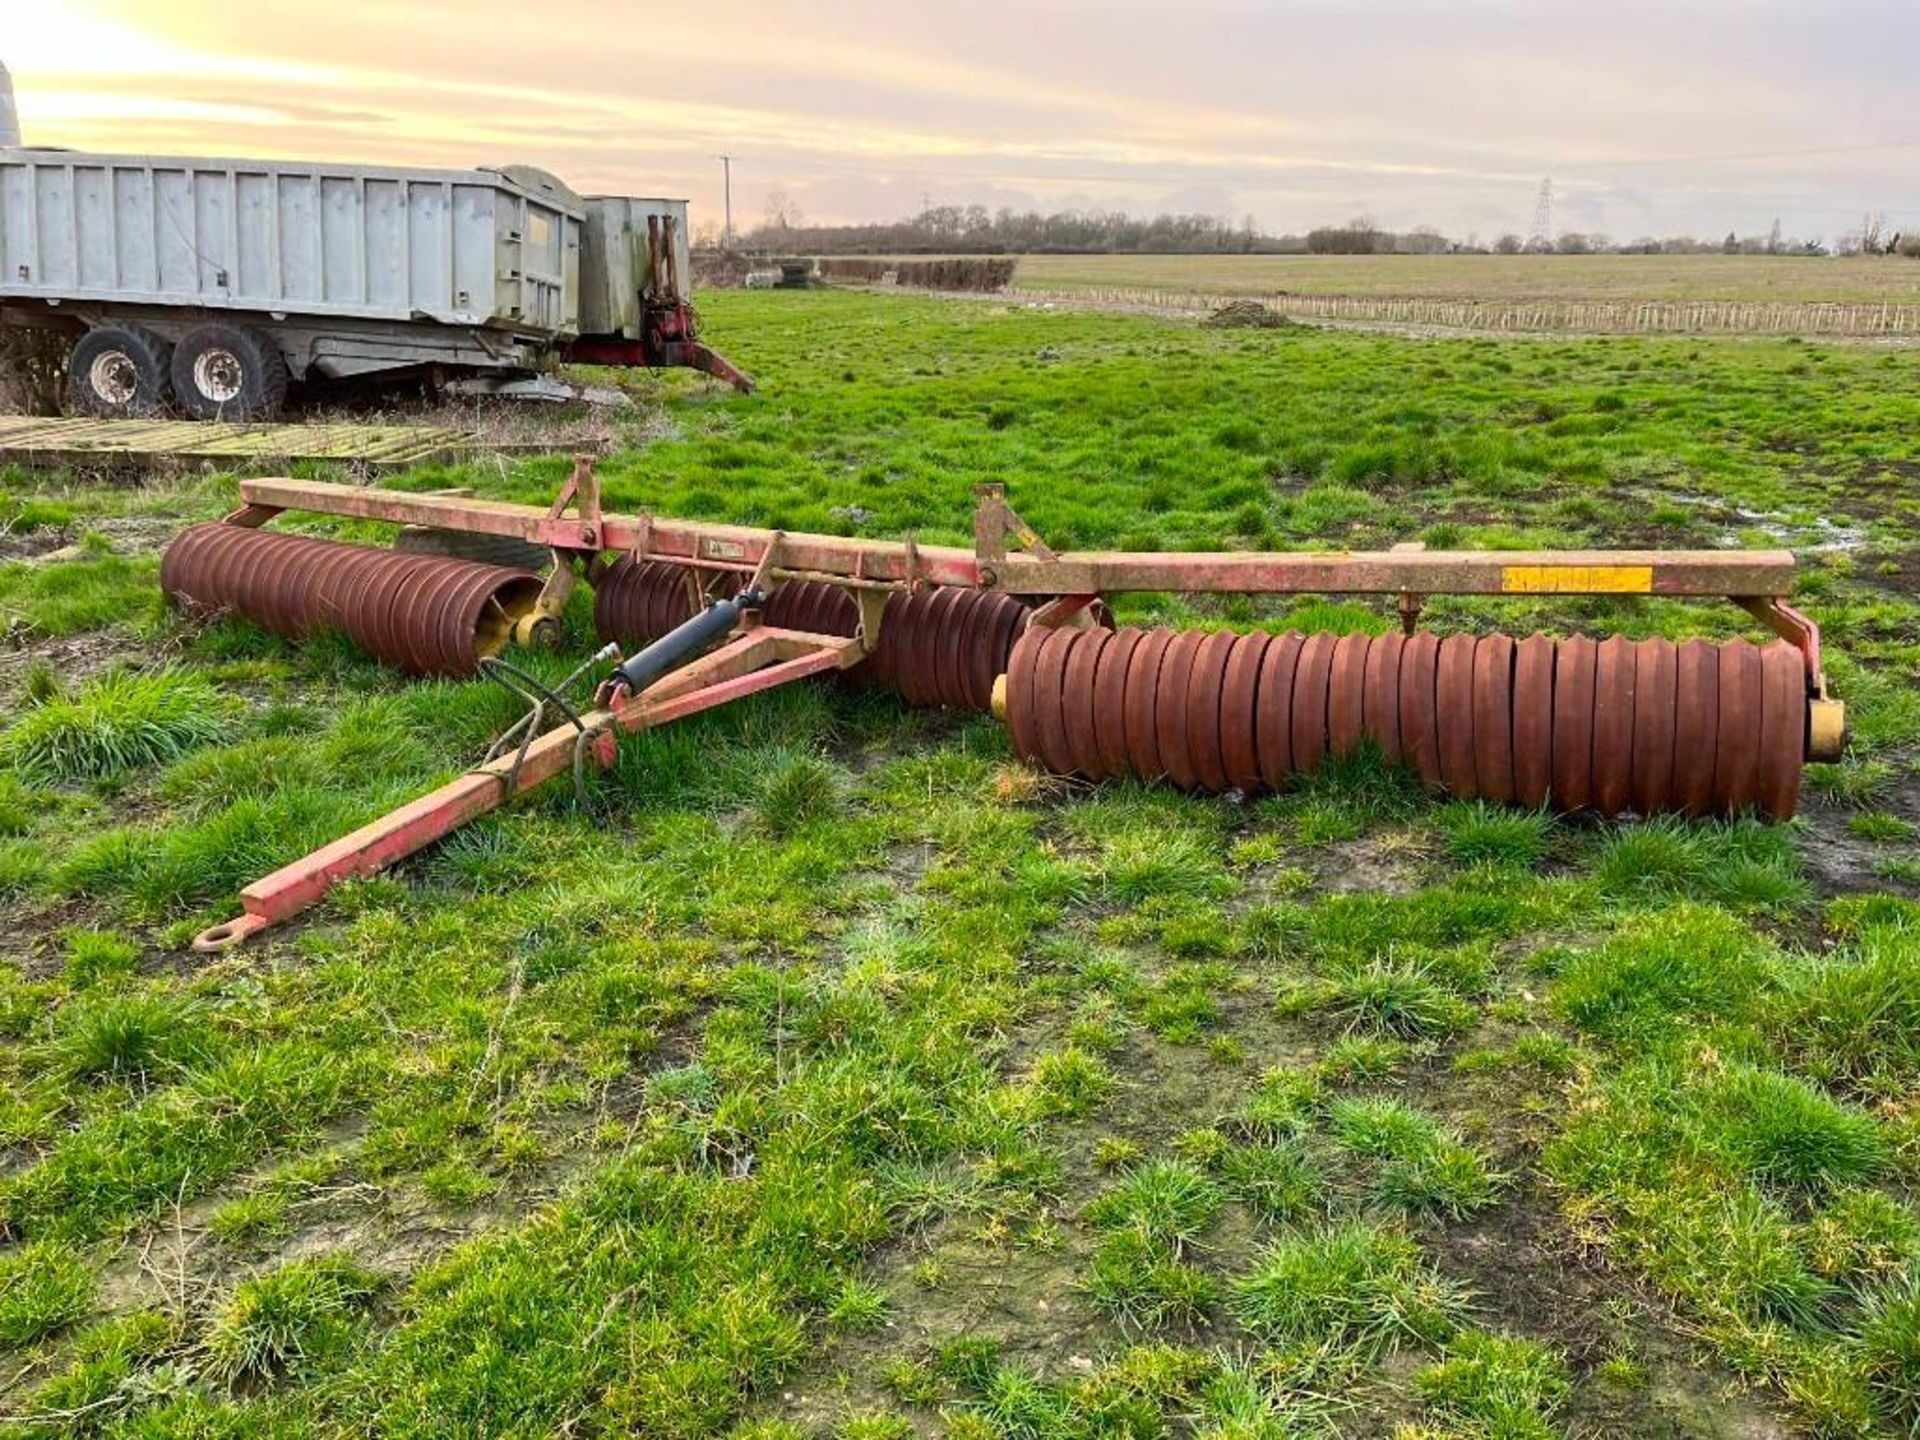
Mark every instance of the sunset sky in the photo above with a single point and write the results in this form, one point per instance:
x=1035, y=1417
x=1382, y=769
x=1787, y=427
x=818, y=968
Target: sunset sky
x=1652, y=116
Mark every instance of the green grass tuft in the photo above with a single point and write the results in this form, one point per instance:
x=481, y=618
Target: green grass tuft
x=85, y=594
x=289, y=1320
x=122, y=721
x=797, y=790
x=1072, y=1081
x=1355, y=1288
x=44, y=1285
x=1778, y=1128
x=1401, y=994
x=1856, y=1016
x=1020, y=1405
x=1170, y=1201
x=1279, y=1182
x=255, y=1216
x=1879, y=827
x=1141, y=1281
x=123, y=1036
x=1659, y=971
x=1889, y=1351
x=97, y=957
x=1744, y=863
x=1477, y=833
x=1423, y=1168
x=1501, y=1387
x=857, y=1305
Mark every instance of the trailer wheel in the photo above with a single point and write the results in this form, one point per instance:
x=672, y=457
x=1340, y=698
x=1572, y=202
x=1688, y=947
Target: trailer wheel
x=228, y=372
x=118, y=371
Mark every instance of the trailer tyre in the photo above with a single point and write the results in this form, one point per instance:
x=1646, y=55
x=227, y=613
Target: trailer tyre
x=229, y=372
x=119, y=371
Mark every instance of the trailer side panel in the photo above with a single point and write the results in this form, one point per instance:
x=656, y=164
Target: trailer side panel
x=469, y=248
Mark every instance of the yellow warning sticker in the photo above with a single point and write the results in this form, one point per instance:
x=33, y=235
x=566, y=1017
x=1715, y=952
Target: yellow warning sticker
x=1577, y=580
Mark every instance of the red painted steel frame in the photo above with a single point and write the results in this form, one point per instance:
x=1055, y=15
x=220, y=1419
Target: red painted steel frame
x=1702, y=573
x=1756, y=579
x=757, y=659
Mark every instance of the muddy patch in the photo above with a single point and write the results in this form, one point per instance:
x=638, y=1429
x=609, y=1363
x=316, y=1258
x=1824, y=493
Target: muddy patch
x=1530, y=1276
x=1837, y=861
x=75, y=658
x=123, y=534
x=33, y=544
x=1894, y=570
x=1386, y=863
x=180, y=1265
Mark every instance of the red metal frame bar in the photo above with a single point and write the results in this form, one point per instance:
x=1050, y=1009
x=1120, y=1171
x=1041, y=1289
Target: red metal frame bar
x=1698, y=573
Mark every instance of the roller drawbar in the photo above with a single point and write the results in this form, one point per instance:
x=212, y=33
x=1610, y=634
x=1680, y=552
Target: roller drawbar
x=1609, y=726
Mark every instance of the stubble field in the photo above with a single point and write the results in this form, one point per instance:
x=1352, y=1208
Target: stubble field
x=1491, y=278
x=833, y=1074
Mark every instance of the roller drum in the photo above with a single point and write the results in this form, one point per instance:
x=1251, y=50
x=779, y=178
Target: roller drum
x=427, y=615
x=939, y=647
x=1614, y=727
x=635, y=602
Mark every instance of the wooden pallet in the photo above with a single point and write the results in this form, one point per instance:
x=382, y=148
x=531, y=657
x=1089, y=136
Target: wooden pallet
x=33, y=440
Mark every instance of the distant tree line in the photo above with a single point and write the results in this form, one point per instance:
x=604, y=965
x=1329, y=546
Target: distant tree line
x=974, y=230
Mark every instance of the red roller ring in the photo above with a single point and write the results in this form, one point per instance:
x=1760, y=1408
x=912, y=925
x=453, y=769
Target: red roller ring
x=1076, y=701
x=1736, y=773
x=1453, y=715
x=1021, y=710
x=1239, y=697
x=1655, y=697
x=951, y=643
x=1575, y=670
x=1493, y=759
x=1143, y=678
x=1380, y=705
x=1419, y=692
x=1615, y=680
x=1311, y=681
x=1696, y=725
x=1109, y=700
x=1206, y=701
x=1050, y=723
x=1533, y=721
x=1273, y=717
x=1346, y=694
x=1783, y=728
x=1171, y=700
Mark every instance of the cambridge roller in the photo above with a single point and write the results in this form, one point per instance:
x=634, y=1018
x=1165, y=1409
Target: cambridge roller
x=1610, y=726
x=695, y=615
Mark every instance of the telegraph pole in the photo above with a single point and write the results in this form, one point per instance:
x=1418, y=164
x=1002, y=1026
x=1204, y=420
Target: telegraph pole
x=726, y=172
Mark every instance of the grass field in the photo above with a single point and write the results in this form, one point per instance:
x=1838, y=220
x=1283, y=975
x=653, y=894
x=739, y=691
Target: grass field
x=1489, y=277
x=832, y=1074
